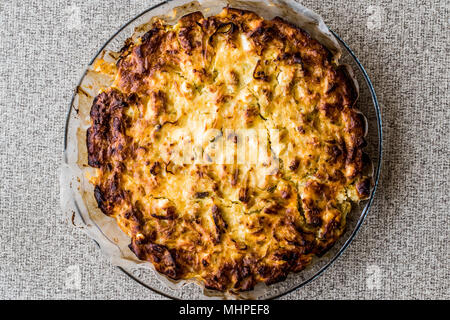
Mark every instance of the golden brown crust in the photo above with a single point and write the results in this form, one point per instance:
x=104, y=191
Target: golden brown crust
x=228, y=225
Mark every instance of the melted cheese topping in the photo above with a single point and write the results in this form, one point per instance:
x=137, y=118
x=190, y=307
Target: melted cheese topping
x=168, y=139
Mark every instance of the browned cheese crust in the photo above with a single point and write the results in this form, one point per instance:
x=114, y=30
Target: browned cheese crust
x=229, y=226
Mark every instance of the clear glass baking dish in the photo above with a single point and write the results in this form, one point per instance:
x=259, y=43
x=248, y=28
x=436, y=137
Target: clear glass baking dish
x=78, y=204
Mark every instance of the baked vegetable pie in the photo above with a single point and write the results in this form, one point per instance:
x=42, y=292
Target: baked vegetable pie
x=228, y=148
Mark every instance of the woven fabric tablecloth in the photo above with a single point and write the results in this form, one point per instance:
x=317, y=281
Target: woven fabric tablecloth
x=402, y=248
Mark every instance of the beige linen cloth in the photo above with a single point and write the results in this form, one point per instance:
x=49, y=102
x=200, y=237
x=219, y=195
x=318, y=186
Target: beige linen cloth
x=402, y=248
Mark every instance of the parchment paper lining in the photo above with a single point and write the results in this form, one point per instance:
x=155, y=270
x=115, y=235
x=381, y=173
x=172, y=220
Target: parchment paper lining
x=77, y=200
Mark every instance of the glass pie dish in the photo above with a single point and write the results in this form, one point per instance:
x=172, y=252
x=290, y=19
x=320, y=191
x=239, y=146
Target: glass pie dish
x=77, y=198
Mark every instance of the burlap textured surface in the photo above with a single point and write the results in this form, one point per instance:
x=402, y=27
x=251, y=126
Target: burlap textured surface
x=401, y=250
